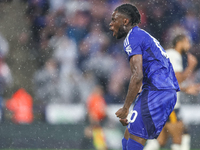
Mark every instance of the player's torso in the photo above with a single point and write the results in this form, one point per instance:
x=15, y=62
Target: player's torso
x=157, y=69
x=175, y=59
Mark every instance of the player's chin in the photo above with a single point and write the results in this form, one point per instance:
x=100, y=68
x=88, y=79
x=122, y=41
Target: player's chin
x=119, y=36
x=114, y=34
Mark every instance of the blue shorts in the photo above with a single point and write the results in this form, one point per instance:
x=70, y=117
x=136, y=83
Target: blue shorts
x=150, y=113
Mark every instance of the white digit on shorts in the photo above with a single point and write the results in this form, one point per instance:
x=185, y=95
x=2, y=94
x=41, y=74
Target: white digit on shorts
x=130, y=115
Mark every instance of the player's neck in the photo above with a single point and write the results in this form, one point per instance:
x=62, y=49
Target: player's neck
x=178, y=49
x=129, y=28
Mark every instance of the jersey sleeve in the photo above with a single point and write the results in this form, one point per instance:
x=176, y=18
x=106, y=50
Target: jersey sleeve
x=132, y=46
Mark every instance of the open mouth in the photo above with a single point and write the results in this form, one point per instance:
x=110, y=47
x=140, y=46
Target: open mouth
x=113, y=32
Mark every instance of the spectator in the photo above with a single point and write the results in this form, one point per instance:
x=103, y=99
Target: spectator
x=96, y=107
x=4, y=46
x=46, y=82
x=65, y=50
x=37, y=10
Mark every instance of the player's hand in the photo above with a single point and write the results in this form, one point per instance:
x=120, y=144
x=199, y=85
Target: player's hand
x=192, y=61
x=122, y=113
x=193, y=89
x=124, y=122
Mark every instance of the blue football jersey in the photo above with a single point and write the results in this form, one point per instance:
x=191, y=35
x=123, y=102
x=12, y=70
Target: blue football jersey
x=158, y=73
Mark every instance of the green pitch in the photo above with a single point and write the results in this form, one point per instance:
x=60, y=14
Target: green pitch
x=71, y=149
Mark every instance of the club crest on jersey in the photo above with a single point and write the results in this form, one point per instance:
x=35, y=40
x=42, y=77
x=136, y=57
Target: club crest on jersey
x=128, y=49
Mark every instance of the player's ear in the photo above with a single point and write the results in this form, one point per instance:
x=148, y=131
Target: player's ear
x=126, y=21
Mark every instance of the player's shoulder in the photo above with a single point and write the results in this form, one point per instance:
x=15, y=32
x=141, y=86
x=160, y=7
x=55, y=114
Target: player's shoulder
x=172, y=52
x=135, y=35
x=142, y=35
x=137, y=31
x=174, y=56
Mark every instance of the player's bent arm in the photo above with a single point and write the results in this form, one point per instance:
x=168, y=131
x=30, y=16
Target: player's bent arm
x=192, y=89
x=135, y=80
x=134, y=85
x=182, y=76
x=192, y=62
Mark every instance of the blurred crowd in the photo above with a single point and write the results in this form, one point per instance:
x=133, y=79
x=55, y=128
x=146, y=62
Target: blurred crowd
x=75, y=51
x=5, y=72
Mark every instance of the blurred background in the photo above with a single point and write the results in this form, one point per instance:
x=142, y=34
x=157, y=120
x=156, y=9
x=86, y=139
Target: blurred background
x=58, y=59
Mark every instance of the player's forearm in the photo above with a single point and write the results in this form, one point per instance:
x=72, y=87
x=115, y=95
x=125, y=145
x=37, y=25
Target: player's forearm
x=182, y=76
x=188, y=71
x=183, y=89
x=192, y=62
x=134, y=87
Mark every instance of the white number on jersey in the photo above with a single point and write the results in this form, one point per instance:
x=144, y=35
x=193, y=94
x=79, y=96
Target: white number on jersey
x=160, y=48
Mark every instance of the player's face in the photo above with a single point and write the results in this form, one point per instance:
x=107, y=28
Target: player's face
x=116, y=25
x=186, y=44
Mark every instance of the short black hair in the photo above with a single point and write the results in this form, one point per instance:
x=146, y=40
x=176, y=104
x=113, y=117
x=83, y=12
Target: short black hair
x=178, y=38
x=131, y=11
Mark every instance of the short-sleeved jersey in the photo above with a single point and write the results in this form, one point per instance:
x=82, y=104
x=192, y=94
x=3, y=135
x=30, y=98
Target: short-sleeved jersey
x=177, y=63
x=175, y=59
x=158, y=73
